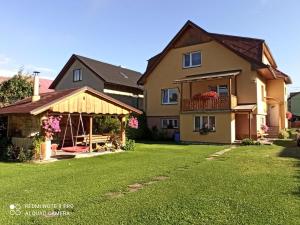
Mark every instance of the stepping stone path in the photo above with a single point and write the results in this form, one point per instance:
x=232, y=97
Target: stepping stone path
x=219, y=153
x=135, y=187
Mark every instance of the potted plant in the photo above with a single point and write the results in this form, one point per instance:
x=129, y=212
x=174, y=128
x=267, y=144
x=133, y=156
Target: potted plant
x=50, y=126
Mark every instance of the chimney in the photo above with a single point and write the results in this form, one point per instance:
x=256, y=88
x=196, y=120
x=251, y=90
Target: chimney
x=36, y=87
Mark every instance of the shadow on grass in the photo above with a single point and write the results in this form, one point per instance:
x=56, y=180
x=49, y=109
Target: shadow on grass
x=169, y=142
x=291, y=150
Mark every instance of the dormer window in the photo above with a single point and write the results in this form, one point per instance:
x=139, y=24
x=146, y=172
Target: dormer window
x=192, y=59
x=77, y=75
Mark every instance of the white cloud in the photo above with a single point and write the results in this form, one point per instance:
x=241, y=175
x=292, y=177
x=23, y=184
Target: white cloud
x=8, y=72
x=8, y=67
x=38, y=68
x=4, y=59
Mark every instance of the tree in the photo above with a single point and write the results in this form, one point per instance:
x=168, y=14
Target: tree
x=18, y=87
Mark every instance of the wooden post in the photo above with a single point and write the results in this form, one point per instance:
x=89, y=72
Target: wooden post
x=122, y=131
x=229, y=90
x=250, y=128
x=91, y=134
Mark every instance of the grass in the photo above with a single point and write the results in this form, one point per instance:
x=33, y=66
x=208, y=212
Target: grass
x=248, y=185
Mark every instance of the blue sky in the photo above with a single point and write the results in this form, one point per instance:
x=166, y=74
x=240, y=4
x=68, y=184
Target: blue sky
x=42, y=35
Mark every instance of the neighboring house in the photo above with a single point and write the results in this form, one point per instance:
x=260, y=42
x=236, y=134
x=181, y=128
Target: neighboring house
x=294, y=103
x=179, y=81
x=116, y=81
x=294, y=108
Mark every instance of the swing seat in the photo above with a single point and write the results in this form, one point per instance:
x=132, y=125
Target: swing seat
x=76, y=149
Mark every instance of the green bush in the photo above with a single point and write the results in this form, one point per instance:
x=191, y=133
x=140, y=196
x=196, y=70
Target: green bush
x=159, y=135
x=4, y=148
x=248, y=141
x=292, y=133
x=283, y=134
x=107, y=124
x=9, y=152
x=130, y=145
x=142, y=132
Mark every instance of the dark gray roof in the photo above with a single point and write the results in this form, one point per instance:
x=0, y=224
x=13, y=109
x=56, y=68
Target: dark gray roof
x=107, y=72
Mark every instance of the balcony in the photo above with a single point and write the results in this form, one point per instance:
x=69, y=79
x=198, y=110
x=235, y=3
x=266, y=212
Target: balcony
x=220, y=103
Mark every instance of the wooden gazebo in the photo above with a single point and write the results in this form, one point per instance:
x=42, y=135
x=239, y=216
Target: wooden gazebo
x=24, y=117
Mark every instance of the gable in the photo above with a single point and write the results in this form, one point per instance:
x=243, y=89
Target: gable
x=89, y=78
x=86, y=102
x=107, y=73
x=191, y=36
x=247, y=48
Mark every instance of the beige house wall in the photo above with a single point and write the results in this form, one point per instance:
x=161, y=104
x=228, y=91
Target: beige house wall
x=215, y=57
x=225, y=128
x=277, y=89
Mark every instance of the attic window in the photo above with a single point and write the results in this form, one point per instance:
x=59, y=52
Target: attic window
x=77, y=75
x=124, y=75
x=192, y=59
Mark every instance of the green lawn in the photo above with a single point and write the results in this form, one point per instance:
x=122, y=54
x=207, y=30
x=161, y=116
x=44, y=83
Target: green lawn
x=248, y=185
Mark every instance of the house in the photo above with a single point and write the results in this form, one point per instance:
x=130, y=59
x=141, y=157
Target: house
x=294, y=108
x=115, y=81
x=214, y=87
x=294, y=103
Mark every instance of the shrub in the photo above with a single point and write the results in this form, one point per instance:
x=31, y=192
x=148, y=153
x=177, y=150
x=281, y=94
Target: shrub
x=142, y=132
x=130, y=145
x=9, y=152
x=107, y=124
x=292, y=134
x=283, y=134
x=248, y=141
x=4, y=148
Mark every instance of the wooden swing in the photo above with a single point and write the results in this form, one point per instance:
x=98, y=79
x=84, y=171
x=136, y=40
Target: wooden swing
x=74, y=147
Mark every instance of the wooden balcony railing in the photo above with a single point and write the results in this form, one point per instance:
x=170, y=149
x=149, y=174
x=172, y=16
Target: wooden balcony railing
x=220, y=103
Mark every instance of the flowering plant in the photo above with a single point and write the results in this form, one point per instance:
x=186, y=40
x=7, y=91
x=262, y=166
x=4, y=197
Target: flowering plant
x=209, y=95
x=289, y=115
x=264, y=128
x=51, y=125
x=133, y=122
x=206, y=95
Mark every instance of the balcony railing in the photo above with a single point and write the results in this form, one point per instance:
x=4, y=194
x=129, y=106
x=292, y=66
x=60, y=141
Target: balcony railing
x=220, y=103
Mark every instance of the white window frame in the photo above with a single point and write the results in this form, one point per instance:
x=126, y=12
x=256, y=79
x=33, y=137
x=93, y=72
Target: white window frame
x=201, y=122
x=169, y=103
x=79, y=78
x=191, y=61
x=168, y=119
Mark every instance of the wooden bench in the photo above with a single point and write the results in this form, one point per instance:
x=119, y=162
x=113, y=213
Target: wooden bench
x=96, y=139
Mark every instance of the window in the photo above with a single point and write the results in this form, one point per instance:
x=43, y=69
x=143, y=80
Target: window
x=192, y=59
x=77, y=75
x=169, y=123
x=223, y=90
x=169, y=96
x=205, y=122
